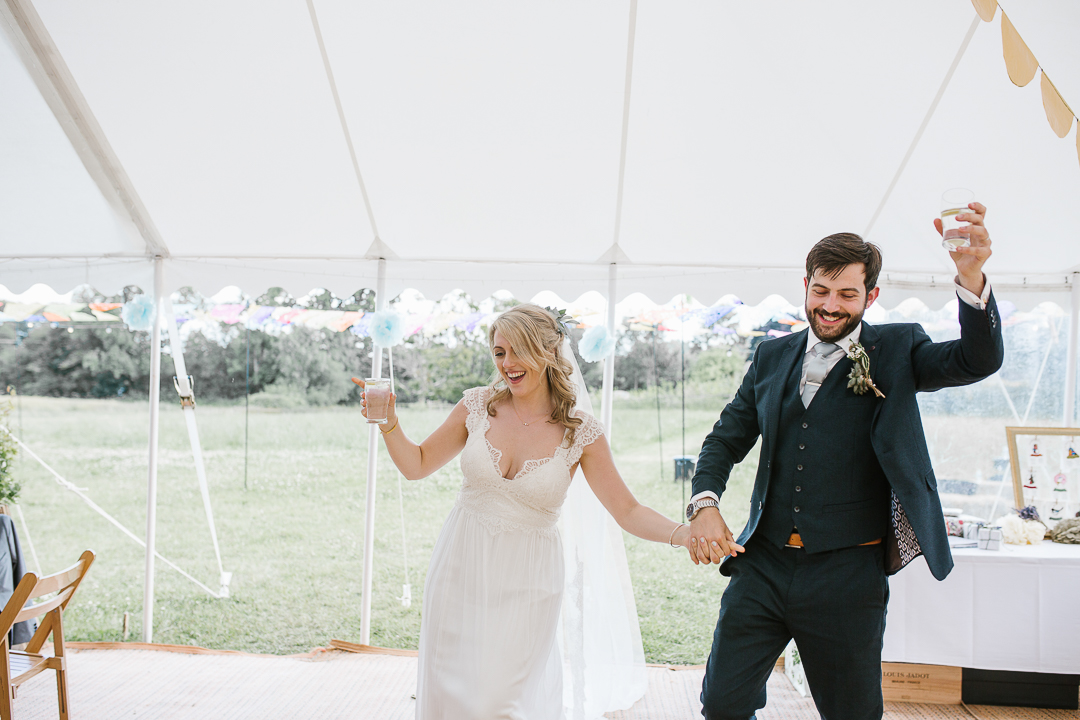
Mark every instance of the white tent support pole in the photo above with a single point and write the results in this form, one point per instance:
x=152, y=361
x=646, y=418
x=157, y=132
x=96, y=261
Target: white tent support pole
x=1070, y=355
x=609, y=361
x=151, y=481
x=926, y=122
x=57, y=86
x=372, y=472
x=341, y=116
x=627, y=84
x=183, y=385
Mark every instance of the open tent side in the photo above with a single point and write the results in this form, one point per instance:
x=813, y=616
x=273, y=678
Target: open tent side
x=663, y=149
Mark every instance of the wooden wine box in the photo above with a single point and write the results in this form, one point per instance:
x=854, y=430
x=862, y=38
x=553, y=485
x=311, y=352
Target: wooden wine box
x=908, y=682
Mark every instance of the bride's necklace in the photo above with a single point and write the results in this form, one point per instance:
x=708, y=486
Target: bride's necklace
x=527, y=424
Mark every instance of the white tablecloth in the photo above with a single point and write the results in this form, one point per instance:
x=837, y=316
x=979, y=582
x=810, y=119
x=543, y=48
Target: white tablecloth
x=1013, y=609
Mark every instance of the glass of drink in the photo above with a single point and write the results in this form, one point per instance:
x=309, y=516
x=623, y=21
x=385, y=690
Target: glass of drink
x=377, y=394
x=953, y=203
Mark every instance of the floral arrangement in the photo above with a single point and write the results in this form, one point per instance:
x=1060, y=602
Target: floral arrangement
x=9, y=486
x=387, y=328
x=596, y=344
x=138, y=313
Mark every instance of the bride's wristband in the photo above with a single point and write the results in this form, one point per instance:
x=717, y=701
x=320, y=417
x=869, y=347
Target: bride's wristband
x=672, y=536
x=387, y=432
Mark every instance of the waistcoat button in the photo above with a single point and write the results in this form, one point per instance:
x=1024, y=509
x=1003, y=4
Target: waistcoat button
x=801, y=446
x=805, y=426
x=797, y=508
x=799, y=467
x=798, y=488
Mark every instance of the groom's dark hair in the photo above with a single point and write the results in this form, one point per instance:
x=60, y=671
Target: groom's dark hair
x=832, y=254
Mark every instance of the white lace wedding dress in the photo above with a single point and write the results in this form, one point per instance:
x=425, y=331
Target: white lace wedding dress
x=494, y=589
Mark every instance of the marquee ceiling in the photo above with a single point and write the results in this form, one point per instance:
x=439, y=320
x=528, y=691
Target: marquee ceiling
x=701, y=145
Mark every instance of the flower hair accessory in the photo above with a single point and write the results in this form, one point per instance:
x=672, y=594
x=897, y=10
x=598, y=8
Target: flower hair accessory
x=859, y=378
x=563, y=322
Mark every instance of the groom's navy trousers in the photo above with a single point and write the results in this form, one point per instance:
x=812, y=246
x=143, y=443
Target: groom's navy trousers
x=848, y=470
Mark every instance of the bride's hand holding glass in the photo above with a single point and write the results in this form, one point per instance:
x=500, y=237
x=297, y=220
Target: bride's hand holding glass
x=382, y=404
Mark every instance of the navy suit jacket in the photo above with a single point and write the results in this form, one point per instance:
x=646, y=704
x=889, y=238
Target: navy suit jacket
x=903, y=362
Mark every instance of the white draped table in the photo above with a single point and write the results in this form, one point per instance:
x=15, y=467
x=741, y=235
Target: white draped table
x=1015, y=609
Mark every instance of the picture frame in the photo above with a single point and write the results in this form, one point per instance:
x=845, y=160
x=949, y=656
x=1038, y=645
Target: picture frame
x=1011, y=435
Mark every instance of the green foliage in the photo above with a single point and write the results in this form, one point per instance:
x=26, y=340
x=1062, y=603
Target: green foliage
x=434, y=373
x=318, y=365
x=90, y=362
x=721, y=365
x=9, y=486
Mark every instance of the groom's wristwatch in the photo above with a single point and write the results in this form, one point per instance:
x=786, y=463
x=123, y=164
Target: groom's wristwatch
x=695, y=507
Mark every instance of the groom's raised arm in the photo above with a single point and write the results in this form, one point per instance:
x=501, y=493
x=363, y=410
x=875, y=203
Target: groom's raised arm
x=731, y=438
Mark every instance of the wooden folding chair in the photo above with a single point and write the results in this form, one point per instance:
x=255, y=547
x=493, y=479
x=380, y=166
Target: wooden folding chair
x=18, y=667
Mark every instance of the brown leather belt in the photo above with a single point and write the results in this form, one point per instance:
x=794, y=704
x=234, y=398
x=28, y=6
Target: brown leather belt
x=795, y=541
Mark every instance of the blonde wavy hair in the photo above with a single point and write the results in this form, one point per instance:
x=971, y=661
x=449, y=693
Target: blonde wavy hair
x=534, y=334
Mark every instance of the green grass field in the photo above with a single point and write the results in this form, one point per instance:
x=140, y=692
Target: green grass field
x=293, y=537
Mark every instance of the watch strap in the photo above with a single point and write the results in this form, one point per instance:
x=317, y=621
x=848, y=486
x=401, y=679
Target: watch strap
x=696, y=506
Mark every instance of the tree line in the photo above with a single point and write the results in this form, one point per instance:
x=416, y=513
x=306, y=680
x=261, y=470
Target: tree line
x=297, y=366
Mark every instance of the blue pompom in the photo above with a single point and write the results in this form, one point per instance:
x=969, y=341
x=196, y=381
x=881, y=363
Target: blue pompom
x=596, y=344
x=138, y=313
x=387, y=328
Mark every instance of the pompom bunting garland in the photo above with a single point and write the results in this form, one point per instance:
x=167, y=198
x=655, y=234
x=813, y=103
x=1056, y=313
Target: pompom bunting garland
x=138, y=313
x=387, y=328
x=596, y=344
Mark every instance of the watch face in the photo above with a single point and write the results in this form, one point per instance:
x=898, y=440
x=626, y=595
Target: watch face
x=689, y=511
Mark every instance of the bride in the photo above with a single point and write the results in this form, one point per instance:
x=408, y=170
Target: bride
x=494, y=587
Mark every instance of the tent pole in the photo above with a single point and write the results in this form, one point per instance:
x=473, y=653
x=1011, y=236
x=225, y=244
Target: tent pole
x=1070, y=355
x=656, y=377
x=609, y=361
x=247, y=393
x=372, y=471
x=151, y=483
x=682, y=384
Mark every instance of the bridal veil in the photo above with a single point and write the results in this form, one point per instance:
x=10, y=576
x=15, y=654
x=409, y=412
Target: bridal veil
x=603, y=658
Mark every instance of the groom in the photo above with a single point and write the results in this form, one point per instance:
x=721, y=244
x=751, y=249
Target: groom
x=845, y=494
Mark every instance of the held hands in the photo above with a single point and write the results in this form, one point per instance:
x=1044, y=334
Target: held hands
x=969, y=260
x=710, y=538
x=391, y=412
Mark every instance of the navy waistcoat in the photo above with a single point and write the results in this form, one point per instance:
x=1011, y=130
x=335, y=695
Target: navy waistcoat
x=826, y=481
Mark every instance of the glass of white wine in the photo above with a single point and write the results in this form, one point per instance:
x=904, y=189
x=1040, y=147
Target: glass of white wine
x=953, y=203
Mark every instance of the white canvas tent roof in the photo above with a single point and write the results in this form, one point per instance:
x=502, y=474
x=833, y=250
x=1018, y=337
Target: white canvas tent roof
x=489, y=140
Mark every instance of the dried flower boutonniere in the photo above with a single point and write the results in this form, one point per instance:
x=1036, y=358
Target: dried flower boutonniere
x=859, y=378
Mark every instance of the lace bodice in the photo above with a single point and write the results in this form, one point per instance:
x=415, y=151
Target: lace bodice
x=532, y=499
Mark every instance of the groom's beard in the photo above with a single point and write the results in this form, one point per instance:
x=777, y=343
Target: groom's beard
x=834, y=332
